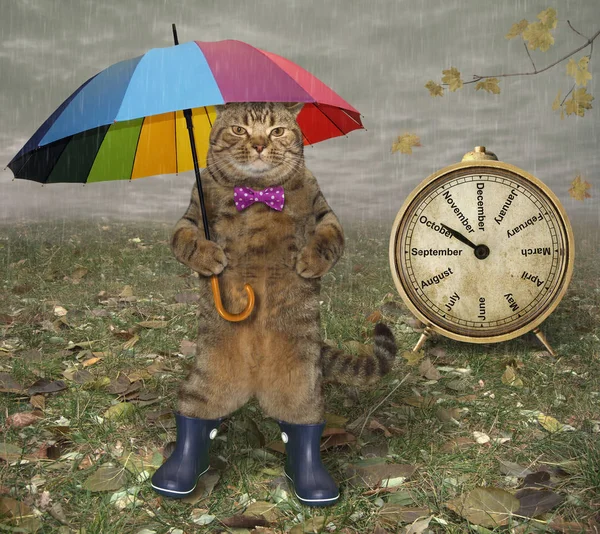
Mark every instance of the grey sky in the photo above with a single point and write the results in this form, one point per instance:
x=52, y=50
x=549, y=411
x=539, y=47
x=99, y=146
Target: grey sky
x=376, y=54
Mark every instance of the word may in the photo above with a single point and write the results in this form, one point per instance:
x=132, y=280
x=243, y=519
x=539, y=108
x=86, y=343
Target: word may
x=480, y=212
x=511, y=301
x=454, y=298
x=529, y=222
x=545, y=251
x=434, y=252
x=437, y=278
x=461, y=217
x=535, y=279
x=509, y=200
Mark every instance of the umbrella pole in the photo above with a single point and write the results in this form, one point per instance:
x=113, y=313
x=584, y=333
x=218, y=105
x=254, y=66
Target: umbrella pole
x=214, y=282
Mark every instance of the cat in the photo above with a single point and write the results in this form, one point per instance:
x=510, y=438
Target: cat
x=276, y=355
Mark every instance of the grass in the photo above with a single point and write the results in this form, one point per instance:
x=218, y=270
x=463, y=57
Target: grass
x=54, y=457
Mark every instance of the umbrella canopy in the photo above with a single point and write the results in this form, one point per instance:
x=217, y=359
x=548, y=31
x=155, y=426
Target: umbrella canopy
x=127, y=121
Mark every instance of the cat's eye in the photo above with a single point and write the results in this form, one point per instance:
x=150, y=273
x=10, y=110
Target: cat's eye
x=277, y=132
x=238, y=130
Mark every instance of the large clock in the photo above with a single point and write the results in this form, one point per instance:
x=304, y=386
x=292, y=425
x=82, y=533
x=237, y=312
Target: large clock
x=482, y=251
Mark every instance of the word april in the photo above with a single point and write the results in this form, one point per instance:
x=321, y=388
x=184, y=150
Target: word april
x=535, y=279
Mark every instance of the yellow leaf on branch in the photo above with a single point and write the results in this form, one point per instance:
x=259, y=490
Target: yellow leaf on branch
x=490, y=85
x=537, y=35
x=579, y=71
x=517, y=29
x=548, y=18
x=579, y=102
x=452, y=78
x=405, y=142
x=556, y=103
x=435, y=89
x=579, y=189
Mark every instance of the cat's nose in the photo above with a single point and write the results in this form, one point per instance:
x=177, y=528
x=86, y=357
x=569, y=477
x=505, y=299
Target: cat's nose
x=259, y=148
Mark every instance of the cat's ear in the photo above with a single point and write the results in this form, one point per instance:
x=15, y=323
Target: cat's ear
x=219, y=108
x=294, y=107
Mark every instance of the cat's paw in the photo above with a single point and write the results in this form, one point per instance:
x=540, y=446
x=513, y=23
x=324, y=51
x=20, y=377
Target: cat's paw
x=315, y=260
x=208, y=258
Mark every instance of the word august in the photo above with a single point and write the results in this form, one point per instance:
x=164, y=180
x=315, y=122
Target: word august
x=437, y=278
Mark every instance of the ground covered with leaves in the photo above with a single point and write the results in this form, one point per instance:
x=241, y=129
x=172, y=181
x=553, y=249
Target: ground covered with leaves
x=97, y=328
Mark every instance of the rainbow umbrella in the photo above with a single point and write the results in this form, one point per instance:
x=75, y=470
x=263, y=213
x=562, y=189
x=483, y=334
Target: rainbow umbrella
x=152, y=115
x=127, y=121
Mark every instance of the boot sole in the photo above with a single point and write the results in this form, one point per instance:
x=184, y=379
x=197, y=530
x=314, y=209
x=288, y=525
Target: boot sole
x=311, y=502
x=177, y=494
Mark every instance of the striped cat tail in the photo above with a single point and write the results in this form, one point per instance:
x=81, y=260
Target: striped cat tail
x=360, y=370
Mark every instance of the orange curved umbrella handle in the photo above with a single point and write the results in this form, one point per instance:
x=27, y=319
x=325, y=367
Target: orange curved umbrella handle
x=214, y=282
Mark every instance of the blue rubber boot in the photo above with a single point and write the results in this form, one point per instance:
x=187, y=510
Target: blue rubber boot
x=312, y=484
x=178, y=476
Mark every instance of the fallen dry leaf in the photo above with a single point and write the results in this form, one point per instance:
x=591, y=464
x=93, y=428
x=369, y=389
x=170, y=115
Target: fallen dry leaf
x=106, y=478
x=119, y=385
x=457, y=444
x=428, y=370
x=510, y=377
x=378, y=475
x=153, y=324
x=90, y=361
x=374, y=317
x=205, y=486
x=534, y=502
x=481, y=437
x=337, y=439
x=19, y=514
x=412, y=357
x=38, y=401
x=393, y=514
x=374, y=424
x=9, y=385
x=488, y=507
x=23, y=419
x=59, y=311
x=126, y=292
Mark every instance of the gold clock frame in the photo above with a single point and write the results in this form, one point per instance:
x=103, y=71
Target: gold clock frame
x=481, y=158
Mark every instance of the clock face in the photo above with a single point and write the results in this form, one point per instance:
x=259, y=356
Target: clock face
x=482, y=251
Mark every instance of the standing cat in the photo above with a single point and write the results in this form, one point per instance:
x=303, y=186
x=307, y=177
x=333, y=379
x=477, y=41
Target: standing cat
x=281, y=242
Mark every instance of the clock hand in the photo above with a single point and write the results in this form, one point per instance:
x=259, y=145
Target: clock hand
x=460, y=237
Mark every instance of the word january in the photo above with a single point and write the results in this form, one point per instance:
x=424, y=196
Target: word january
x=504, y=210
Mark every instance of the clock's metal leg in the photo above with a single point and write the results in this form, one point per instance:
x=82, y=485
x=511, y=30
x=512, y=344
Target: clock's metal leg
x=540, y=335
x=422, y=339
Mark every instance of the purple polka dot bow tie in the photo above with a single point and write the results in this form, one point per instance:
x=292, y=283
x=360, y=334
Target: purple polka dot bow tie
x=271, y=196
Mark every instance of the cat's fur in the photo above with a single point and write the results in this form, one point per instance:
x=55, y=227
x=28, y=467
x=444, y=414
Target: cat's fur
x=276, y=355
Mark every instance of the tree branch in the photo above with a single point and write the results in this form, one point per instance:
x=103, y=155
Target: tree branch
x=530, y=58
x=589, y=42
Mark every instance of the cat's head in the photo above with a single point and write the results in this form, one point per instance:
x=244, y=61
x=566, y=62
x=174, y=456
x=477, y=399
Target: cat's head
x=255, y=144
